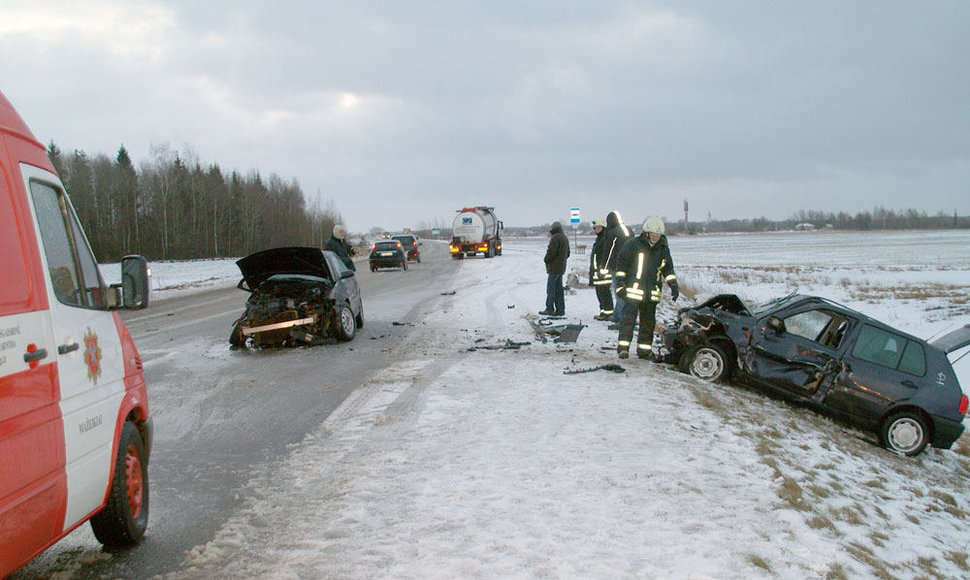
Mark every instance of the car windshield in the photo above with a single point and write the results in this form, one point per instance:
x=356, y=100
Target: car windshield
x=772, y=306
x=405, y=240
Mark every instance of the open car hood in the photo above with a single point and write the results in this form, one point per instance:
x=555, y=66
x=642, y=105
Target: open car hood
x=256, y=268
x=953, y=340
x=727, y=302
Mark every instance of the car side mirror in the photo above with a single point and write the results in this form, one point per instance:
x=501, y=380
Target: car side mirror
x=776, y=324
x=346, y=274
x=135, y=282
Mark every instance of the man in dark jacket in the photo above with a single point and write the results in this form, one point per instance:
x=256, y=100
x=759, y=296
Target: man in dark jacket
x=643, y=265
x=338, y=245
x=616, y=235
x=599, y=275
x=556, y=255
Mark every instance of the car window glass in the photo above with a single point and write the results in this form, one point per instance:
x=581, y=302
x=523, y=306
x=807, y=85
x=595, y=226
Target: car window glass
x=73, y=270
x=879, y=346
x=914, y=359
x=809, y=324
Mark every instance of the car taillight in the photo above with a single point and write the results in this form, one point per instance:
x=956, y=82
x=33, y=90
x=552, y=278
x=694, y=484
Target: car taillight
x=964, y=402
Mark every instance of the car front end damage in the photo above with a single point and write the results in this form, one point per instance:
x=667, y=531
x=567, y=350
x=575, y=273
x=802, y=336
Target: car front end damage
x=287, y=310
x=704, y=338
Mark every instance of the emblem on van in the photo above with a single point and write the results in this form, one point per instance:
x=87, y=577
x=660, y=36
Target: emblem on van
x=92, y=355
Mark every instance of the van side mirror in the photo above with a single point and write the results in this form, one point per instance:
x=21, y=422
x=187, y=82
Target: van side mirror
x=135, y=282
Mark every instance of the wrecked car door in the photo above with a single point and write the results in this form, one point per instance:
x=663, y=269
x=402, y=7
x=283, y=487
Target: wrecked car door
x=882, y=369
x=797, y=352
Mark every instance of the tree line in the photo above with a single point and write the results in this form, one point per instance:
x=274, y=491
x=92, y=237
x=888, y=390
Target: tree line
x=173, y=207
x=877, y=219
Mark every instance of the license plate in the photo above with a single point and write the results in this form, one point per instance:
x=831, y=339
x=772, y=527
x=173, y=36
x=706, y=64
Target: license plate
x=387, y=253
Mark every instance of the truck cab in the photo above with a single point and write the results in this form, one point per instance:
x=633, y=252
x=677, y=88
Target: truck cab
x=75, y=428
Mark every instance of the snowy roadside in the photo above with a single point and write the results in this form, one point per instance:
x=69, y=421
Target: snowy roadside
x=493, y=463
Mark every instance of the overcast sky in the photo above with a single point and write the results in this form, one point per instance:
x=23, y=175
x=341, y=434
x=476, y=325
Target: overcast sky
x=403, y=112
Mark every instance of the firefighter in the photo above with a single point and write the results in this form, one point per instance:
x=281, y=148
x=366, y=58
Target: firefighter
x=643, y=265
x=616, y=235
x=600, y=277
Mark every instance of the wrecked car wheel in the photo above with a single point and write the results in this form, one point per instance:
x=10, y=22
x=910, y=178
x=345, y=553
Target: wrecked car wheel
x=346, y=323
x=237, y=338
x=707, y=362
x=905, y=433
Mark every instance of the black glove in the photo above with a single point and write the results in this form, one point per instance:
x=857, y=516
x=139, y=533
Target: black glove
x=674, y=290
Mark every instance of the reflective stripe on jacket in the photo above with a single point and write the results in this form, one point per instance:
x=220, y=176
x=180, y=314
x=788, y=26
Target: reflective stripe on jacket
x=642, y=269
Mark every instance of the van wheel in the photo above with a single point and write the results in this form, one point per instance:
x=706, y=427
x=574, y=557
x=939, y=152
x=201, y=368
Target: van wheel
x=347, y=323
x=905, y=433
x=122, y=522
x=707, y=362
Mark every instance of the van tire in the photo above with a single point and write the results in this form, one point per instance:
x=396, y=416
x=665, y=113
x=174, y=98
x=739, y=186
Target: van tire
x=123, y=521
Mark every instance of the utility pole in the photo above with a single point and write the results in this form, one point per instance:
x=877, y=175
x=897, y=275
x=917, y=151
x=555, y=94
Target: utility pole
x=686, y=223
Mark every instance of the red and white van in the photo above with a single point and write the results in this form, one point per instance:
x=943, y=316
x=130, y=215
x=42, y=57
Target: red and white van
x=75, y=432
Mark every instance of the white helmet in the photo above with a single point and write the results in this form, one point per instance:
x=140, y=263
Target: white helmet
x=653, y=225
x=599, y=224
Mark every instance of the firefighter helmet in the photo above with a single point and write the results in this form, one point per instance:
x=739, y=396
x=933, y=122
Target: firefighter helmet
x=653, y=225
x=599, y=224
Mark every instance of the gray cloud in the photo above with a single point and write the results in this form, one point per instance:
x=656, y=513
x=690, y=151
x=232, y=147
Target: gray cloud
x=403, y=112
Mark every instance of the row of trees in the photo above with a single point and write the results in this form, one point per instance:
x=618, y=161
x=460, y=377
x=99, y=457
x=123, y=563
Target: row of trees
x=877, y=219
x=173, y=207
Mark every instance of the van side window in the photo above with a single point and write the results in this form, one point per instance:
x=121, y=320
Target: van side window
x=74, y=272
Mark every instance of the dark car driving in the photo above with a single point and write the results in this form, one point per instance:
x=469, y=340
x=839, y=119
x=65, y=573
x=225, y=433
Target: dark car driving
x=297, y=296
x=410, y=244
x=388, y=254
x=823, y=354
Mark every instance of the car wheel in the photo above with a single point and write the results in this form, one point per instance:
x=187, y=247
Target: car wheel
x=707, y=362
x=417, y=258
x=237, y=338
x=122, y=522
x=905, y=433
x=404, y=265
x=360, y=318
x=346, y=323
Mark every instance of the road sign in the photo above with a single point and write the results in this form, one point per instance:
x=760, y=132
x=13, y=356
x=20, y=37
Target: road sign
x=574, y=215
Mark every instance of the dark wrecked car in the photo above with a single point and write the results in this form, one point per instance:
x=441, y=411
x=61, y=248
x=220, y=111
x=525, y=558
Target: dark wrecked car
x=298, y=296
x=822, y=354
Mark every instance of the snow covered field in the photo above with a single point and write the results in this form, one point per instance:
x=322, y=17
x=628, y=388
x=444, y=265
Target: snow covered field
x=494, y=463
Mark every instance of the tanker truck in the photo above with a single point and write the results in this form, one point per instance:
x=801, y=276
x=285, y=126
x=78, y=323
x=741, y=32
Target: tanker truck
x=476, y=231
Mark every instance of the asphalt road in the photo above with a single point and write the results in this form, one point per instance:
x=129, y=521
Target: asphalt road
x=221, y=415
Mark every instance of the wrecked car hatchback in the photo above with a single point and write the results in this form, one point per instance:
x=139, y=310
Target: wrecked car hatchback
x=298, y=296
x=834, y=359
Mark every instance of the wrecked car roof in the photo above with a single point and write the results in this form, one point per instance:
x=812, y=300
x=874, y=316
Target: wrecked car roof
x=256, y=268
x=953, y=340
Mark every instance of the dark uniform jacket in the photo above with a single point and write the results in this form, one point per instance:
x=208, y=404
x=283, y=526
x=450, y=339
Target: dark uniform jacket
x=557, y=252
x=642, y=269
x=599, y=274
x=342, y=249
x=616, y=235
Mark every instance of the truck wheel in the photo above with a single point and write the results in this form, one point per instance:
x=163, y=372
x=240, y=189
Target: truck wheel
x=905, y=433
x=122, y=522
x=346, y=323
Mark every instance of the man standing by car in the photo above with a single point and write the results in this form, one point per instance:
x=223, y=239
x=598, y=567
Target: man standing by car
x=643, y=265
x=556, y=255
x=599, y=275
x=338, y=245
x=616, y=235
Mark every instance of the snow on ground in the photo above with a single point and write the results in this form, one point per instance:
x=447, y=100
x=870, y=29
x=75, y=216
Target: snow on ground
x=472, y=462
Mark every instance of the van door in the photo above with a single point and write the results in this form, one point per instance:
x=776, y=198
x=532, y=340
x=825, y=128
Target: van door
x=87, y=346
x=32, y=482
